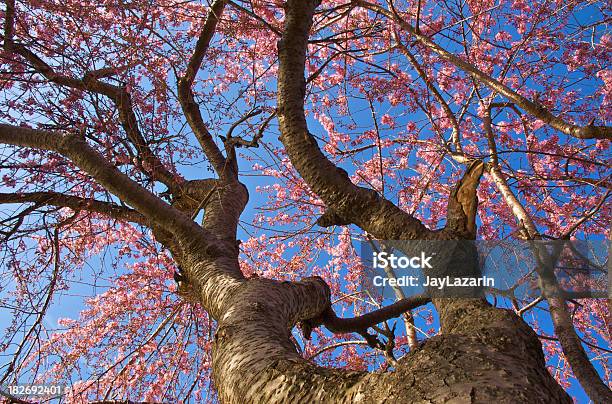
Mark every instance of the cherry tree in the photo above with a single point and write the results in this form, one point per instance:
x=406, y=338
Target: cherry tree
x=206, y=172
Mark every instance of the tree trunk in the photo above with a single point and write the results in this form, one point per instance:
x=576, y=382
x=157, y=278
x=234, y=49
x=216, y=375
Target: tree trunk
x=483, y=354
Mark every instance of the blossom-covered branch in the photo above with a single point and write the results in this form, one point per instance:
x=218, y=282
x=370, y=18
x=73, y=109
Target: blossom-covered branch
x=122, y=100
x=534, y=108
x=564, y=328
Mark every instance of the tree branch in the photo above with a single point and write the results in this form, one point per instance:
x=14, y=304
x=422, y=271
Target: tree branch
x=119, y=96
x=210, y=256
x=420, y=70
x=255, y=16
x=9, y=25
x=586, y=216
x=43, y=308
x=186, y=96
x=336, y=345
x=352, y=203
x=361, y=323
x=75, y=203
x=564, y=328
x=83, y=156
x=535, y=109
x=463, y=202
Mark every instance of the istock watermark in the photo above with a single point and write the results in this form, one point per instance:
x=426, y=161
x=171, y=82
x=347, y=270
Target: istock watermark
x=383, y=259
x=466, y=268
x=434, y=282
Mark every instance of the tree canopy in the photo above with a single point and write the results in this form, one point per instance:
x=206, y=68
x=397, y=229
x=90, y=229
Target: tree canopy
x=247, y=148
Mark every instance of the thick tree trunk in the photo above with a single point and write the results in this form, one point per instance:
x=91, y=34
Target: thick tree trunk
x=483, y=355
